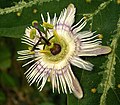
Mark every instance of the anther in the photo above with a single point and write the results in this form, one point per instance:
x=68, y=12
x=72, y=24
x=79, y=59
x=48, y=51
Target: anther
x=100, y=36
x=32, y=33
x=118, y=86
x=34, y=10
x=47, y=25
x=18, y=14
x=93, y=90
x=35, y=23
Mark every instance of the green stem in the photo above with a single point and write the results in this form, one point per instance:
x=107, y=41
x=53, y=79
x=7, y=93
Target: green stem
x=101, y=7
x=21, y=5
x=108, y=80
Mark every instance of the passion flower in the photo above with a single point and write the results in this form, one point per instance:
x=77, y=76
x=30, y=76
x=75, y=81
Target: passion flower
x=53, y=50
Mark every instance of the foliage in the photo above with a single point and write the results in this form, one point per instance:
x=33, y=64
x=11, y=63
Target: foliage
x=101, y=86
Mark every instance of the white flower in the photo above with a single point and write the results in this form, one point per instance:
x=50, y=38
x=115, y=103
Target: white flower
x=56, y=47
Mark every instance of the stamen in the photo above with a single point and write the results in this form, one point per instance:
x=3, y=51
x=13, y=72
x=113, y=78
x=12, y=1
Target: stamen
x=35, y=23
x=47, y=25
x=46, y=41
x=44, y=51
x=31, y=50
x=56, y=35
x=32, y=33
x=48, y=79
x=51, y=46
x=100, y=36
x=36, y=44
x=50, y=38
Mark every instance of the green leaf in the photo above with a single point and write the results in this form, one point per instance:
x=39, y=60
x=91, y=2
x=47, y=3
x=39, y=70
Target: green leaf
x=103, y=16
x=2, y=97
x=8, y=81
x=16, y=18
x=22, y=4
x=46, y=103
x=108, y=80
x=5, y=61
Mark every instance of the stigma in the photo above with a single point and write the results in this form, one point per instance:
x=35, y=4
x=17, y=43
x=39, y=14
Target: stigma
x=56, y=49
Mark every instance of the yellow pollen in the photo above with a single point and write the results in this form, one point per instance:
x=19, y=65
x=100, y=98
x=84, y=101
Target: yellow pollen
x=51, y=46
x=118, y=86
x=118, y=1
x=30, y=49
x=85, y=17
x=32, y=33
x=44, y=51
x=48, y=79
x=93, y=90
x=34, y=11
x=100, y=36
x=32, y=52
x=18, y=14
x=47, y=25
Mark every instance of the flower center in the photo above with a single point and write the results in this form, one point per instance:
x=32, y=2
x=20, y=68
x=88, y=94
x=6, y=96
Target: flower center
x=56, y=49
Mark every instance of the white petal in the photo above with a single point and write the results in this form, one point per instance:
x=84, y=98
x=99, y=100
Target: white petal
x=89, y=38
x=25, y=57
x=27, y=43
x=70, y=15
x=31, y=61
x=43, y=82
x=68, y=80
x=88, y=46
x=96, y=41
x=57, y=83
x=61, y=83
x=84, y=34
x=81, y=63
x=48, y=15
x=54, y=19
x=81, y=26
x=28, y=40
x=23, y=52
x=33, y=76
x=75, y=86
x=77, y=23
x=67, y=16
x=42, y=18
x=94, y=51
x=77, y=91
x=71, y=72
x=64, y=83
x=53, y=79
x=31, y=68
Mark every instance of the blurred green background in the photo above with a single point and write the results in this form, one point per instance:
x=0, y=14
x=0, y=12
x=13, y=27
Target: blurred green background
x=104, y=17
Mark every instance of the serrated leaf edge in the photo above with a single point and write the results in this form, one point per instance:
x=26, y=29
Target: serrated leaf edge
x=108, y=80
